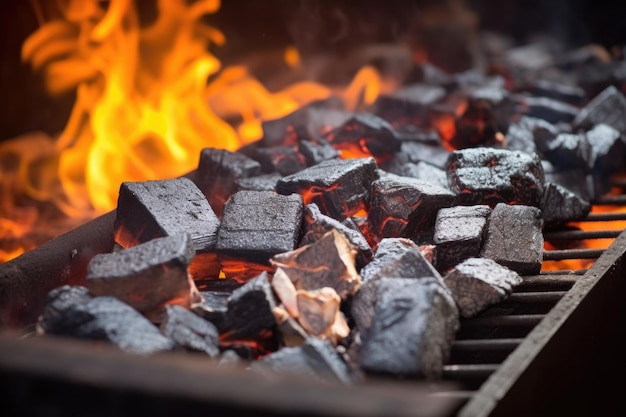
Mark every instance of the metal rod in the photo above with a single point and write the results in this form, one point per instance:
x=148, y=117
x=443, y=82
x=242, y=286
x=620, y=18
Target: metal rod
x=510, y=320
x=581, y=234
x=560, y=254
x=486, y=344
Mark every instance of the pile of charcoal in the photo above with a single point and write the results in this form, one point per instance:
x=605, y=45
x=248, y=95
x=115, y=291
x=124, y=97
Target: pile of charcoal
x=346, y=244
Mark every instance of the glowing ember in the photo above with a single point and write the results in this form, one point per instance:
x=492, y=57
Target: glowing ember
x=144, y=105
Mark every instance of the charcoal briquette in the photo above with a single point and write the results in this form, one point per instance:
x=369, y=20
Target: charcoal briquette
x=190, y=331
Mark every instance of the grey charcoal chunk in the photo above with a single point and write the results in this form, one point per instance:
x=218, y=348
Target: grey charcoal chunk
x=250, y=308
x=459, y=234
x=394, y=257
x=145, y=276
x=213, y=308
x=60, y=299
x=317, y=224
x=529, y=134
x=339, y=187
x=568, y=151
x=607, y=150
x=190, y=331
x=315, y=359
x=218, y=172
x=608, y=107
x=551, y=110
x=514, y=238
x=413, y=328
x=491, y=176
x=406, y=207
x=259, y=224
x=263, y=182
x=314, y=152
x=423, y=171
x=103, y=319
x=477, y=283
x=367, y=131
x=560, y=205
x=158, y=208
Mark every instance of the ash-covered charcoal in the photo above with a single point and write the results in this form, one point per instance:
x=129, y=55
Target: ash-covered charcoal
x=514, y=238
x=548, y=109
x=250, y=311
x=327, y=262
x=365, y=134
x=303, y=123
x=316, y=360
x=607, y=151
x=218, y=172
x=339, y=187
x=529, y=134
x=459, y=234
x=477, y=283
x=571, y=94
x=421, y=171
x=147, y=276
x=577, y=180
x=316, y=152
x=608, y=107
x=408, y=106
x=157, y=208
x=190, y=331
x=317, y=224
x=491, y=176
x=262, y=182
x=406, y=207
x=415, y=152
x=69, y=311
x=256, y=225
x=568, y=151
x=285, y=159
x=413, y=327
x=214, y=308
x=395, y=257
x=560, y=206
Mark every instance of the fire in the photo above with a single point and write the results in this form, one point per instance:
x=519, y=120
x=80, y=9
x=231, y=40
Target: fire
x=149, y=98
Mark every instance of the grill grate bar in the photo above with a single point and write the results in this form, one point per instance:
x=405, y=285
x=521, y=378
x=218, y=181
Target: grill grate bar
x=551, y=280
x=508, y=320
x=561, y=254
x=486, y=344
x=535, y=297
x=469, y=371
x=582, y=234
x=602, y=217
x=613, y=200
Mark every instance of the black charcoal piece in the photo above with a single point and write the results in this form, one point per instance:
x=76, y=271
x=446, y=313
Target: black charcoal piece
x=608, y=107
x=406, y=207
x=548, y=109
x=263, y=182
x=68, y=312
x=576, y=180
x=530, y=134
x=257, y=225
x=151, y=209
x=414, y=324
x=190, y=331
x=490, y=176
x=571, y=94
x=435, y=154
x=477, y=283
x=213, y=308
x=315, y=359
x=568, y=151
x=561, y=205
x=408, y=105
x=367, y=133
x=339, y=187
x=327, y=262
x=459, y=234
x=146, y=276
x=394, y=257
x=317, y=224
x=607, y=150
x=422, y=171
x=217, y=174
x=316, y=152
x=514, y=238
x=250, y=309
x=282, y=159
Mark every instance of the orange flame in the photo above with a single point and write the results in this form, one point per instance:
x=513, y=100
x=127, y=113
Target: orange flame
x=145, y=107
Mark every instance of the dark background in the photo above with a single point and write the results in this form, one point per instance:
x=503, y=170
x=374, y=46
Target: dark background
x=312, y=26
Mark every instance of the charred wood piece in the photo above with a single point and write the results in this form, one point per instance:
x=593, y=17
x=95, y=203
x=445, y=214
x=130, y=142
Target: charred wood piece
x=561, y=205
x=514, y=238
x=317, y=224
x=152, y=209
x=218, y=172
x=147, y=276
x=459, y=234
x=339, y=187
x=327, y=262
x=406, y=207
x=256, y=226
x=70, y=311
x=413, y=327
x=608, y=107
x=316, y=359
x=368, y=134
x=189, y=331
x=491, y=176
x=477, y=283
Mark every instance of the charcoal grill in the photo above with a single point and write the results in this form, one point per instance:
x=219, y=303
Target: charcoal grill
x=554, y=347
